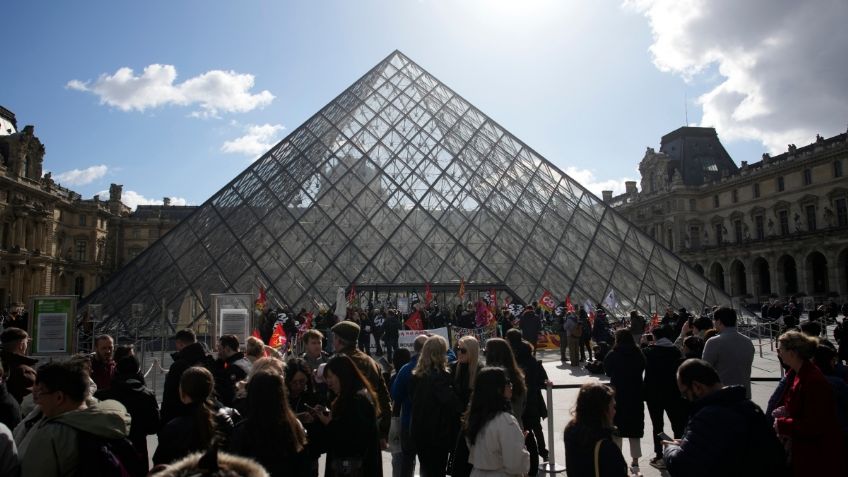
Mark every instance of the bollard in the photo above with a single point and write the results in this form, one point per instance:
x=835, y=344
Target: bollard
x=550, y=467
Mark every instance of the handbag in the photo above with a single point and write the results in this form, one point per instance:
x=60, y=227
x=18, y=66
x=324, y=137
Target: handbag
x=346, y=467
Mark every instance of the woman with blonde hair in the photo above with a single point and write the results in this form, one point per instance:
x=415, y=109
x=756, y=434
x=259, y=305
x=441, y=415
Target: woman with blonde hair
x=466, y=367
x=807, y=420
x=435, y=408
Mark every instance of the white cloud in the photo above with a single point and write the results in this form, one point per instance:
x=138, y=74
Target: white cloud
x=133, y=199
x=781, y=61
x=257, y=140
x=212, y=91
x=587, y=179
x=78, y=177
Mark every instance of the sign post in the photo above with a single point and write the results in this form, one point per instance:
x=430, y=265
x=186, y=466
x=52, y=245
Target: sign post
x=232, y=315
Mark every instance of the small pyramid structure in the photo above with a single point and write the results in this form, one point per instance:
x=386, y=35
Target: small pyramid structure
x=399, y=180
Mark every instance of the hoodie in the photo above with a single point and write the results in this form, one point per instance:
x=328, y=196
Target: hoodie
x=50, y=448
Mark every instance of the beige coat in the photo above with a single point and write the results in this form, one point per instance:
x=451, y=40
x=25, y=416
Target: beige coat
x=499, y=449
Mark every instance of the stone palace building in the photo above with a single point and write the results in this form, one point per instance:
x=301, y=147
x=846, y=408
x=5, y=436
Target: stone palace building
x=52, y=241
x=775, y=227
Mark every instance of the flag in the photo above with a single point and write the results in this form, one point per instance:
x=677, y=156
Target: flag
x=484, y=315
x=351, y=297
x=569, y=308
x=428, y=296
x=655, y=320
x=278, y=338
x=414, y=322
x=261, y=299
x=307, y=323
x=611, y=302
x=547, y=301
x=256, y=334
x=341, y=309
x=590, y=310
x=461, y=289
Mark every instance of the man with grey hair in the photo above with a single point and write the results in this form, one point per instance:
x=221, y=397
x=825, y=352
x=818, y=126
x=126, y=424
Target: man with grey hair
x=402, y=397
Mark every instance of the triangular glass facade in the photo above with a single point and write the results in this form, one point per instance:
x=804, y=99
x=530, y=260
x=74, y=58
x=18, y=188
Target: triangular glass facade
x=400, y=180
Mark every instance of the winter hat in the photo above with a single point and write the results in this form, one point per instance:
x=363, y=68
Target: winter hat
x=346, y=330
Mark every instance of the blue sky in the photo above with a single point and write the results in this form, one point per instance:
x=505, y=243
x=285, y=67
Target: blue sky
x=588, y=84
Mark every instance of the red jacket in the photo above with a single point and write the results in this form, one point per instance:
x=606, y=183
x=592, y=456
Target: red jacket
x=812, y=424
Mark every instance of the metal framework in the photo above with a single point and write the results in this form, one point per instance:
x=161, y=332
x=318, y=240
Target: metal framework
x=400, y=180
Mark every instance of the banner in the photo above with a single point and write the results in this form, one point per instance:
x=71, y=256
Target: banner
x=482, y=334
x=548, y=340
x=407, y=337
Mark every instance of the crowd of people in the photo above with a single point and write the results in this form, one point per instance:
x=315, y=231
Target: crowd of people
x=472, y=409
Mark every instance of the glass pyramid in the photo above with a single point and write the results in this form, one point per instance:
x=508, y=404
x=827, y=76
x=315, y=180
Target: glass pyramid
x=399, y=180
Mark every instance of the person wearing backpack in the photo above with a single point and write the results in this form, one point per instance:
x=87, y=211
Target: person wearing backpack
x=726, y=435
x=73, y=438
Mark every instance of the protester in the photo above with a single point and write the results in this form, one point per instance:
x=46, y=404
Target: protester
x=51, y=447
x=230, y=368
x=200, y=425
x=492, y=433
x=353, y=439
x=345, y=337
x=498, y=353
x=586, y=336
x=313, y=353
x=303, y=396
x=625, y=364
x=401, y=396
x=589, y=447
x=189, y=353
x=574, y=334
x=661, y=394
x=391, y=333
x=20, y=376
x=730, y=352
x=726, y=435
x=807, y=419
x=10, y=410
x=466, y=367
x=270, y=434
x=102, y=364
x=638, y=324
x=530, y=325
x=139, y=401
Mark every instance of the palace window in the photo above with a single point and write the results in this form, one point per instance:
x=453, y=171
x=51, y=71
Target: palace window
x=81, y=249
x=715, y=201
x=82, y=219
x=783, y=217
x=737, y=228
x=841, y=212
x=760, y=228
x=808, y=176
x=781, y=184
x=718, y=233
x=837, y=168
x=811, y=217
x=692, y=205
x=756, y=190
x=735, y=195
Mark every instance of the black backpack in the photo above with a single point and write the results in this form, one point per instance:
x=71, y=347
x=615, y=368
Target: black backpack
x=108, y=457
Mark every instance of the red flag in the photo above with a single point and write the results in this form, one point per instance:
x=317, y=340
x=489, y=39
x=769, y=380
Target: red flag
x=461, y=289
x=428, y=296
x=256, y=334
x=655, y=320
x=261, y=299
x=278, y=338
x=569, y=308
x=307, y=323
x=547, y=301
x=351, y=297
x=414, y=322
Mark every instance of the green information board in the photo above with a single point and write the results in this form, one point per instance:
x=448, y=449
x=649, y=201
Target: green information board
x=52, y=324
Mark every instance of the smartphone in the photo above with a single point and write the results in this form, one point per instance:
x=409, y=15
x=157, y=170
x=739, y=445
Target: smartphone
x=664, y=437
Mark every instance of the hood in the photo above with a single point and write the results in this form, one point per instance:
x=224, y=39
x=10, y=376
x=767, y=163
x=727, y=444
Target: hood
x=189, y=466
x=12, y=359
x=193, y=353
x=726, y=396
x=108, y=419
x=129, y=383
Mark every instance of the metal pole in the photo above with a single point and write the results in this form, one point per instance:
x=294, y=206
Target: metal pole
x=550, y=467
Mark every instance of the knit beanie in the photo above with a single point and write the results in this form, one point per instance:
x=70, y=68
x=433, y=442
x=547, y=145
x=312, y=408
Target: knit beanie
x=346, y=330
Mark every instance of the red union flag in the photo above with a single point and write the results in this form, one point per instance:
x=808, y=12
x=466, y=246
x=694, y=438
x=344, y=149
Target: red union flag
x=569, y=308
x=278, y=338
x=461, y=289
x=428, y=296
x=414, y=322
x=351, y=297
x=547, y=301
x=261, y=299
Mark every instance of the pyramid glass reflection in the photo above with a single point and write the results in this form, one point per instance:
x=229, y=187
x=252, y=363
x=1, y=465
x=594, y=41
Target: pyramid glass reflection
x=399, y=180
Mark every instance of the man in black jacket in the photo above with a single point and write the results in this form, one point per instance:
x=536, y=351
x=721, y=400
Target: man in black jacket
x=230, y=368
x=726, y=435
x=189, y=353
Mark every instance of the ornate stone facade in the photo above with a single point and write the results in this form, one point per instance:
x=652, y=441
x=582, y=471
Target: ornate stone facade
x=775, y=227
x=51, y=240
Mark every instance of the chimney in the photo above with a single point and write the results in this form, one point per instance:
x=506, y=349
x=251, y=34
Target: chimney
x=607, y=195
x=166, y=201
x=630, y=187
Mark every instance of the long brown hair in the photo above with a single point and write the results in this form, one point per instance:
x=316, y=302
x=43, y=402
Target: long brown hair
x=197, y=384
x=351, y=381
x=499, y=353
x=269, y=414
